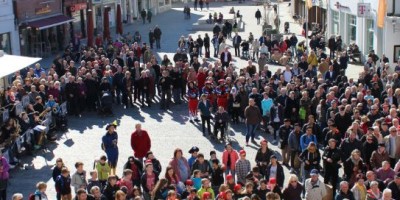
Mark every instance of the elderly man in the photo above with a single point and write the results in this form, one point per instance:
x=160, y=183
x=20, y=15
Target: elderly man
x=315, y=189
x=385, y=173
x=392, y=143
x=344, y=192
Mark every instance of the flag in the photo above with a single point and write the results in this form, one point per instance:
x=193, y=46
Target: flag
x=309, y=4
x=381, y=13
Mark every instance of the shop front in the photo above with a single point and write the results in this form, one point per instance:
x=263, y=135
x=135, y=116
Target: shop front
x=42, y=28
x=317, y=14
x=9, y=41
x=77, y=11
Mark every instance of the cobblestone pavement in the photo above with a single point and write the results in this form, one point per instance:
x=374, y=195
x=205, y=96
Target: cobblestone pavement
x=168, y=130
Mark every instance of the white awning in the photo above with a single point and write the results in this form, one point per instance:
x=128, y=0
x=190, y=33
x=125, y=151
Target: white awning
x=11, y=63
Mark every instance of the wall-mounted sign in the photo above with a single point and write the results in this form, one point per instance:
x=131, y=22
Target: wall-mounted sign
x=77, y=7
x=43, y=10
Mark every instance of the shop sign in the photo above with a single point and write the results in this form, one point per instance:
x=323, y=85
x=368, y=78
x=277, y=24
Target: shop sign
x=43, y=10
x=77, y=7
x=364, y=9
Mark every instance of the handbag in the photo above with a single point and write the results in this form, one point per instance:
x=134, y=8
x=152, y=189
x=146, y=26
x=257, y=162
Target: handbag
x=302, y=113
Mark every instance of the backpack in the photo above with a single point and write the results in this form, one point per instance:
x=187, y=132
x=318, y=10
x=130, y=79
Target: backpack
x=32, y=196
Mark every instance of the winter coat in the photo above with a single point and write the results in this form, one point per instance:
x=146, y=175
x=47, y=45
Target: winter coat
x=140, y=144
x=234, y=157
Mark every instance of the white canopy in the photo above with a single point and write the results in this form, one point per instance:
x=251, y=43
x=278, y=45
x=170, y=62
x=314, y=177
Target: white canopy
x=11, y=63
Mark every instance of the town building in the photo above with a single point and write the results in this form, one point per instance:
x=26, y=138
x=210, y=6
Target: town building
x=9, y=41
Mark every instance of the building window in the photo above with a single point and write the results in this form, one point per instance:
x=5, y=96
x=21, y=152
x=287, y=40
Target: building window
x=370, y=34
x=5, y=42
x=335, y=23
x=161, y=3
x=352, y=23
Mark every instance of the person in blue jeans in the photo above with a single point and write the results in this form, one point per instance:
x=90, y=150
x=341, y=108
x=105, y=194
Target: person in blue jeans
x=253, y=118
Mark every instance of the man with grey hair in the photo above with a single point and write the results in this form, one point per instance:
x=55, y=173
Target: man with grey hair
x=392, y=144
x=344, y=192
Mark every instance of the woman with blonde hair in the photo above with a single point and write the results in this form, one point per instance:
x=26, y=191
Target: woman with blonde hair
x=310, y=158
x=294, y=189
x=353, y=166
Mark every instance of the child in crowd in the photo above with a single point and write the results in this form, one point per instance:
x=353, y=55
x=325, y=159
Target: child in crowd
x=196, y=178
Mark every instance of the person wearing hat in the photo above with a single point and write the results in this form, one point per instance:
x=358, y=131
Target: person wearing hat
x=205, y=108
x=149, y=179
x=242, y=167
x=193, y=151
x=274, y=170
x=378, y=156
x=331, y=158
x=140, y=142
x=193, y=95
x=274, y=187
x=222, y=93
x=315, y=189
x=110, y=146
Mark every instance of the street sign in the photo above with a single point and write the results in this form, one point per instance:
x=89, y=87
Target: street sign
x=363, y=9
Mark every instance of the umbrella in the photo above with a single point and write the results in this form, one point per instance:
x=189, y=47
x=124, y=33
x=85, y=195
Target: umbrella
x=119, y=20
x=106, y=23
x=90, y=28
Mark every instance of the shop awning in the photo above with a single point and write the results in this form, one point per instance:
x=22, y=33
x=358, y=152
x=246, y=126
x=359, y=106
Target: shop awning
x=49, y=22
x=11, y=63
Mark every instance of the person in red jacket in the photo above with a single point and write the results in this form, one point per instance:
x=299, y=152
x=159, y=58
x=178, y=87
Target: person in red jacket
x=140, y=142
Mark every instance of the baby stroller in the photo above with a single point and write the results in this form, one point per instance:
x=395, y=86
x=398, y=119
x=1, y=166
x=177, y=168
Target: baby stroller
x=61, y=118
x=106, y=103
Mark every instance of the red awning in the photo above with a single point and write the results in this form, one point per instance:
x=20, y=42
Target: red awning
x=49, y=22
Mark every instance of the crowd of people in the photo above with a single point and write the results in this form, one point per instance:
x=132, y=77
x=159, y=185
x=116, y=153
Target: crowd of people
x=310, y=109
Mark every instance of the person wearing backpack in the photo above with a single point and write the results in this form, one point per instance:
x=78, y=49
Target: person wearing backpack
x=40, y=193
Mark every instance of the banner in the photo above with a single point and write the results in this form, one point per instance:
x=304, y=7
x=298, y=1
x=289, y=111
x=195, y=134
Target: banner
x=382, y=7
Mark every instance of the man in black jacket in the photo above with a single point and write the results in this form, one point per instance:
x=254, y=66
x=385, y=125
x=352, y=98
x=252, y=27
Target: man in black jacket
x=71, y=92
x=284, y=132
x=258, y=16
x=331, y=158
x=91, y=93
x=165, y=83
x=157, y=36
